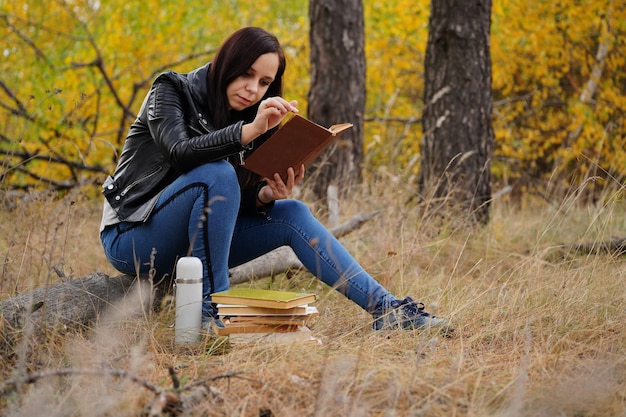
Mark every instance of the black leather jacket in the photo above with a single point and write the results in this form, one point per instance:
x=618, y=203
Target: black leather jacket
x=171, y=135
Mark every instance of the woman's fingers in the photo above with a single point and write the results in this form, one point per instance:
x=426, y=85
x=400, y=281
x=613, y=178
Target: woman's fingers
x=279, y=103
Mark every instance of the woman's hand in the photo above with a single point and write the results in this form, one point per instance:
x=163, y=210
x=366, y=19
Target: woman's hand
x=269, y=114
x=272, y=110
x=277, y=189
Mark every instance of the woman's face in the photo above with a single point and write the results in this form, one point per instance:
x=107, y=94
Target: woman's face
x=249, y=88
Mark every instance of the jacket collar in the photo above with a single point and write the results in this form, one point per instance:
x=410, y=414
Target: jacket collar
x=198, y=85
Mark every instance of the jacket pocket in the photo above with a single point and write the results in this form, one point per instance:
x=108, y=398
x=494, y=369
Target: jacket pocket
x=126, y=198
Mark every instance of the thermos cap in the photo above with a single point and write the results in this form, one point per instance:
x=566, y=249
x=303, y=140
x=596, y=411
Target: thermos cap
x=188, y=268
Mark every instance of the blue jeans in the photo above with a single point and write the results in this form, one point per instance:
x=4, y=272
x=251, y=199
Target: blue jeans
x=197, y=215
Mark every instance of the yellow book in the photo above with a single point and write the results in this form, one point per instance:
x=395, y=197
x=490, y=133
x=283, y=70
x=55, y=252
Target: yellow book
x=255, y=297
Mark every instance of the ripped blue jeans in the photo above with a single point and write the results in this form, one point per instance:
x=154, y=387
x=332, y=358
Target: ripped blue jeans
x=197, y=215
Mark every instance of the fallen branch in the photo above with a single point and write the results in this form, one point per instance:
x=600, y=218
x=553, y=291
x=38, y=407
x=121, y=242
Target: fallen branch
x=175, y=401
x=616, y=247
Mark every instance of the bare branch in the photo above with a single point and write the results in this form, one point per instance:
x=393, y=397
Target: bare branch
x=404, y=120
x=26, y=40
x=27, y=157
x=21, y=109
x=11, y=384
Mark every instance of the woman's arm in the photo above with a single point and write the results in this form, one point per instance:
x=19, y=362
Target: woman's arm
x=186, y=139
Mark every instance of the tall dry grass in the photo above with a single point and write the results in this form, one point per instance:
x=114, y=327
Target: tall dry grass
x=540, y=330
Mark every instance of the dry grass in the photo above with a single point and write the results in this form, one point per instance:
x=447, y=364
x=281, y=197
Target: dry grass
x=540, y=332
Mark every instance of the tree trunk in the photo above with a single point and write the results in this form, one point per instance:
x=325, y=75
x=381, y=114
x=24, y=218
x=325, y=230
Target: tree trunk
x=337, y=92
x=458, y=138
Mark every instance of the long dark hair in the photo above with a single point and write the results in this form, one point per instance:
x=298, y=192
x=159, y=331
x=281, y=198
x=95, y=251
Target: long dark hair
x=234, y=58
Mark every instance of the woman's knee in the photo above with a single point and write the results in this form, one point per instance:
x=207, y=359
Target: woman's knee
x=212, y=183
x=219, y=177
x=294, y=209
x=218, y=173
x=293, y=206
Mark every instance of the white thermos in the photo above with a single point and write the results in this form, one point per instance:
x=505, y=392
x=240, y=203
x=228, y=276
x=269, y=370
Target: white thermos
x=188, y=300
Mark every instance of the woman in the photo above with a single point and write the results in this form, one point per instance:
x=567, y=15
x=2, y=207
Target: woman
x=180, y=187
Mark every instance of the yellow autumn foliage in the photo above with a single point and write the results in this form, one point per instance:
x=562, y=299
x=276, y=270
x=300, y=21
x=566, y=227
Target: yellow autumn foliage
x=558, y=82
x=73, y=73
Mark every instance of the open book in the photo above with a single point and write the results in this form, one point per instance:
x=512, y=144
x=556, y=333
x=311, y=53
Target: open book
x=298, y=141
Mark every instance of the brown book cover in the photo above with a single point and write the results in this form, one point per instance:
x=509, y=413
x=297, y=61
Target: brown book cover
x=298, y=141
x=270, y=320
x=227, y=327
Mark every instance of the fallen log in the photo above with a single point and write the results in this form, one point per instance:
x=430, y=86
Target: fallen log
x=615, y=247
x=78, y=303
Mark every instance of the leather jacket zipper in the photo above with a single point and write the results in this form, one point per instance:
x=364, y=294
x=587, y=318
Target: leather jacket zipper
x=140, y=180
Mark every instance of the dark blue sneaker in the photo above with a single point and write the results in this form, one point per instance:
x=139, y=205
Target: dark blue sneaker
x=405, y=314
x=210, y=319
x=209, y=324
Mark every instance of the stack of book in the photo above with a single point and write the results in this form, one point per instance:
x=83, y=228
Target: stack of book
x=249, y=314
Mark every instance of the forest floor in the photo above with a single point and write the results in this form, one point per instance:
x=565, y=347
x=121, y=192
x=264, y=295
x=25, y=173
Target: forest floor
x=540, y=328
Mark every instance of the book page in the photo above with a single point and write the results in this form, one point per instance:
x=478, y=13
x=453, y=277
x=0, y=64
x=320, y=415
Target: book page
x=336, y=129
